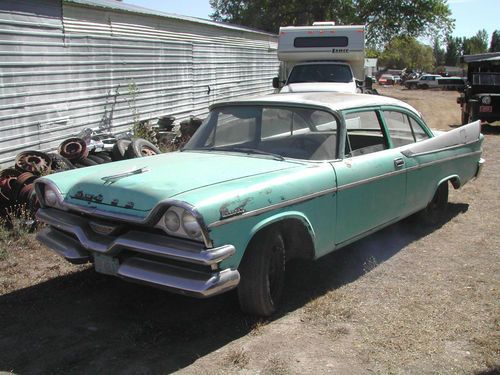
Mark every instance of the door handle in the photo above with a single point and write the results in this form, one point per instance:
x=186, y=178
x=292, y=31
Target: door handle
x=399, y=162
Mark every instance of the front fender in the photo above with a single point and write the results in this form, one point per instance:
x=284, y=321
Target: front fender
x=280, y=217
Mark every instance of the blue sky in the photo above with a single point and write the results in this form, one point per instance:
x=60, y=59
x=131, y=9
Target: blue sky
x=470, y=15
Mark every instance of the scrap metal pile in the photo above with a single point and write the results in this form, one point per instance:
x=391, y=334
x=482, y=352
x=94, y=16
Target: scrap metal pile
x=17, y=181
x=87, y=149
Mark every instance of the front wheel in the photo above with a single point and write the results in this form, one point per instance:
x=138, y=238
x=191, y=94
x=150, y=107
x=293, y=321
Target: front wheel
x=262, y=273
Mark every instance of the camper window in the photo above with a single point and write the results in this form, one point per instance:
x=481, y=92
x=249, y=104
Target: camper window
x=321, y=41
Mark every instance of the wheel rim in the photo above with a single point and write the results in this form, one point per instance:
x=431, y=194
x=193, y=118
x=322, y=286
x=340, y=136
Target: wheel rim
x=33, y=162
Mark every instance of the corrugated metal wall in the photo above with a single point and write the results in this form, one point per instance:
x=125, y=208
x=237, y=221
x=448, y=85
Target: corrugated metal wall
x=64, y=67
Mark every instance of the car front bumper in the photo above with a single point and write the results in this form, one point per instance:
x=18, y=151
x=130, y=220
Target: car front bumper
x=177, y=265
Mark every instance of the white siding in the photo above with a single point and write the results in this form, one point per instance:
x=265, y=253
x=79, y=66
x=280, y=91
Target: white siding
x=60, y=73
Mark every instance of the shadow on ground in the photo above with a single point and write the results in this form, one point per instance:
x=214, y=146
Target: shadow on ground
x=89, y=323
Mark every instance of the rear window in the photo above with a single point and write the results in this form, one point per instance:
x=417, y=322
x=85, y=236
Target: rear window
x=321, y=41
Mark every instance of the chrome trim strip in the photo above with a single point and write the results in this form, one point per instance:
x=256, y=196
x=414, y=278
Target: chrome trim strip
x=178, y=280
x=140, y=242
x=371, y=179
x=275, y=206
x=408, y=154
x=420, y=166
x=332, y=190
x=150, y=220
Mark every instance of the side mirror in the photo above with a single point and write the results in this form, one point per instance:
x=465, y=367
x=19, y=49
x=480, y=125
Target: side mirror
x=276, y=82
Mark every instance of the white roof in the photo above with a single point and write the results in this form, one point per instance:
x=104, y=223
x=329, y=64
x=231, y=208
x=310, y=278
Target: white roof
x=333, y=100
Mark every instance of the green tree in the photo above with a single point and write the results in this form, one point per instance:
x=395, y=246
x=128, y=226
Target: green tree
x=495, y=41
x=384, y=19
x=453, y=50
x=407, y=52
x=439, y=53
x=476, y=44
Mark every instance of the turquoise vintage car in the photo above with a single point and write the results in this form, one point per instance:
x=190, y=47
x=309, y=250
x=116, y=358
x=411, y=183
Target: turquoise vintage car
x=261, y=182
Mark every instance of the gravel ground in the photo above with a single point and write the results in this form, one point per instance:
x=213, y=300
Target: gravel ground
x=406, y=300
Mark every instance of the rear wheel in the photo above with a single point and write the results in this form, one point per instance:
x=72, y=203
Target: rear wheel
x=436, y=208
x=262, y=273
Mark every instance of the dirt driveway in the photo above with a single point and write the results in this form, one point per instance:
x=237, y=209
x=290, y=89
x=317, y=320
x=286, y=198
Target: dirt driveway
x=409, y=299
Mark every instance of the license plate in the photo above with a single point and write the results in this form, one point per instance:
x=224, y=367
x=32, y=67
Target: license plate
x=485, y=108
x=106, y=264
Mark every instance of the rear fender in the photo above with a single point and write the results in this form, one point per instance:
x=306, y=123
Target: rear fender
x=454, y=179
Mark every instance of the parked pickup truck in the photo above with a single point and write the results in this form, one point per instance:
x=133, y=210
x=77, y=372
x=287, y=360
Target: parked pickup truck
x=480, y=99
x=435, y=81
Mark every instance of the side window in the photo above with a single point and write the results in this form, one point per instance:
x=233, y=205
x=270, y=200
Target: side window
x=418, y=131
x=403, y=129
x=281, y=122
x=364, y=133
x=399, y=128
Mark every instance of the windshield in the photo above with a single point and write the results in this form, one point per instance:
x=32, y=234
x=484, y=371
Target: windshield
x=486, y=79
x=273, y=131
x=320, y=73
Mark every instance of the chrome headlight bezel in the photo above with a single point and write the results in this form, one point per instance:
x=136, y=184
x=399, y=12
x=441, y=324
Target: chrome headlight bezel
x=190, y=225
x=45, y=189
x=486, y=100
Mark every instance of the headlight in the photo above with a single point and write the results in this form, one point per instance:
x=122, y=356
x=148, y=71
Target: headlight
x=180, y=222
x=190, y=225
x=171, y=220
x=486, y=100
x=50, y=197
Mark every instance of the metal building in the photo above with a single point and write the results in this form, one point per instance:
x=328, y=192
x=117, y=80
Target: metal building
x=70, y=64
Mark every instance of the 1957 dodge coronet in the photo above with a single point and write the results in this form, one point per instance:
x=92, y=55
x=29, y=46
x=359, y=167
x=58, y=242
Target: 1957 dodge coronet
x=262, y=181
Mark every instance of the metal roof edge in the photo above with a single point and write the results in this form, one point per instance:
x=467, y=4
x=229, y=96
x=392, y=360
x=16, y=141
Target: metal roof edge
x=490, y=56
x=129, y=8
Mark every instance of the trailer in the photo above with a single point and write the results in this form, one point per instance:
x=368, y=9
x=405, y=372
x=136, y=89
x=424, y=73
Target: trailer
x=322, y=57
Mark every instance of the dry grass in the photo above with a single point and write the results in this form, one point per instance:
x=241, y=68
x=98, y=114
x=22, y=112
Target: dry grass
x=276, y=366
x=237, y=358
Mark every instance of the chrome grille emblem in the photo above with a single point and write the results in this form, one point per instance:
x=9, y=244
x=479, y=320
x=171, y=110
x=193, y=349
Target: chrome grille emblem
x=105, y=229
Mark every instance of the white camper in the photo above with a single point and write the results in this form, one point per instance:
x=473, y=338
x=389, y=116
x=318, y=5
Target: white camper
x=322, y=57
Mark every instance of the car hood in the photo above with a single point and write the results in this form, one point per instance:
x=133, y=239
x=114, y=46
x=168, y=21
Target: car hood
x=349, y=87
x=137, y=185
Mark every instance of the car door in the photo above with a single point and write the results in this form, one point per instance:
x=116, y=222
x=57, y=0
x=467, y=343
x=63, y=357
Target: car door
x=404, y=128
x=370, y=176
